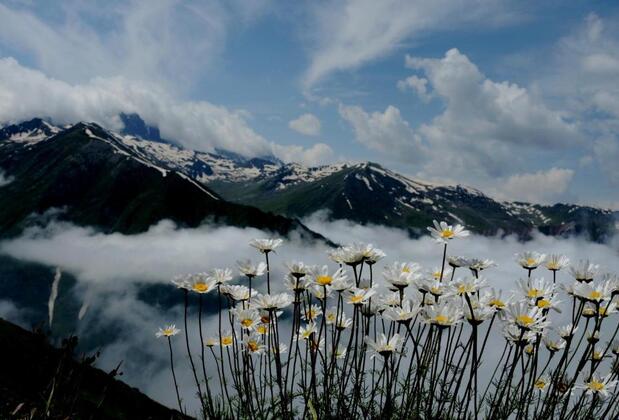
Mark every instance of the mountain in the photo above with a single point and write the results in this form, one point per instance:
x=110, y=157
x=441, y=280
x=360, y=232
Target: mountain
x=134, y=125
x=89, y=176
x=36, y=374
x=369, y=193
x=29, y=131
x=366, y=192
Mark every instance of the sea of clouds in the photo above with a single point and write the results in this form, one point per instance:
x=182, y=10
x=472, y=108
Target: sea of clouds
x=111, y=269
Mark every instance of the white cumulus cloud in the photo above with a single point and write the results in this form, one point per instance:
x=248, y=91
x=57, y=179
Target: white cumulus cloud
x=386, y=132
x=489, y=111
x=486, y=130
x=536, y=187
x=417, y=84
x=307, y=124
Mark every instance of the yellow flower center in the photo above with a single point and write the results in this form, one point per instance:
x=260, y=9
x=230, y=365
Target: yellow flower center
x=595, y=294
x=531, y=262
x=226, y=341
x=441, y=320
x=406, y=270
x=252, y=345
x=540, y=384
x=447, y=234
x=262, y=329
x=331, y=317
x=324, y=280
x=533, y=293
x=247, y=322
x=356, y=299
x=525, y=320
x=436, y=290
x=168, y=332
x=595, y=385
x=200, y=287
x=312, y=314
x=498, y=303
x=464, y=288
x=543, y=303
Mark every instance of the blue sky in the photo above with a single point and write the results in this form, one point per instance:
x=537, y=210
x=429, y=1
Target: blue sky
x=516, y=98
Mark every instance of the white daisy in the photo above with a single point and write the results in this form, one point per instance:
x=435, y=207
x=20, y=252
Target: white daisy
x=221, y=275
x=266, y=245
x=526, y=317
x=247, y=318
x=385, y=347
x=530, y=260
x=298, y=269
x=237, y=292
x=357, y=296
x=556, y=262
x=404, y=314
x=584, y=271
x=311, y=313
x=476, y=265
x=444, y=314
x=247, y=268
x=253, y=344
x=321, y=276
x=442, y=232
x=201, y=283
x=457, y=261
x=272, y=301
x=598, y=385
x=167, y=331
x=401, y=275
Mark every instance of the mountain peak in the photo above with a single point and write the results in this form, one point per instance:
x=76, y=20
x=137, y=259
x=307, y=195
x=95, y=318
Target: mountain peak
x=29, y=131
x=134, y=125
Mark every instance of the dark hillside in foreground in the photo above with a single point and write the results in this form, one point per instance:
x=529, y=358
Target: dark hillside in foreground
x=30, y=367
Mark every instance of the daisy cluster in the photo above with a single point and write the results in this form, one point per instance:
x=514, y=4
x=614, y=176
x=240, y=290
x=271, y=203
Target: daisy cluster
x=340, y=313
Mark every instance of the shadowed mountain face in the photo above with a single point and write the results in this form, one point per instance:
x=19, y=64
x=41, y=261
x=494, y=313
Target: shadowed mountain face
x=32, y=366
x=88, y=176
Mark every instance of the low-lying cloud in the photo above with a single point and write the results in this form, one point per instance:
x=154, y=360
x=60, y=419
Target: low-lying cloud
x=4, y=179
x=111, y=269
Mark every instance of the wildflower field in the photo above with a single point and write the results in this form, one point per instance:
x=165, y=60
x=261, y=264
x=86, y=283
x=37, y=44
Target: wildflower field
x=348, y=341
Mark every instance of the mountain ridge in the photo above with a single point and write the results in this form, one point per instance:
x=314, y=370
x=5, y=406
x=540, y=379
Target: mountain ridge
x=364, y=192
x=80, y=390
x=95, y=179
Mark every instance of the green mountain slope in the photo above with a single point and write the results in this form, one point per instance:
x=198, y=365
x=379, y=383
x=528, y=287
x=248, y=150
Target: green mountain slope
x=369, y=193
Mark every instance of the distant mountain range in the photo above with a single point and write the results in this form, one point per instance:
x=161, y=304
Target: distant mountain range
x=129, y=180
